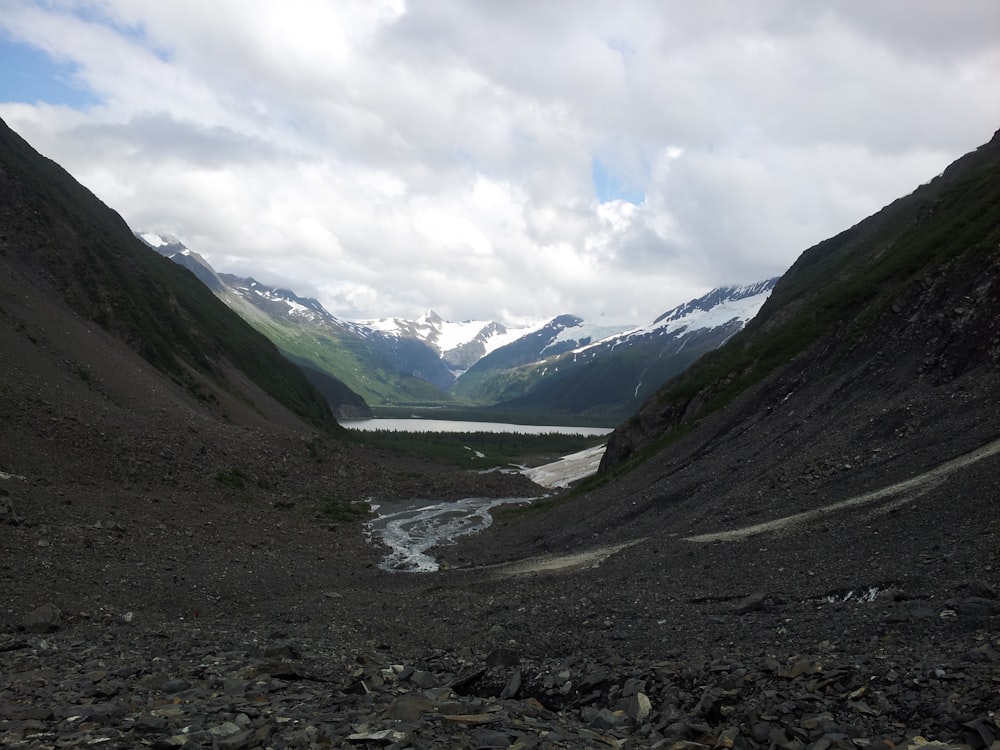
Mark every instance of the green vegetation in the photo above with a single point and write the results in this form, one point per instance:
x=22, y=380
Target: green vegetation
x=345, y=511
x=518, y=511
x=352, y=361
x=234, y=479
x=473, y=413
x=481, y=450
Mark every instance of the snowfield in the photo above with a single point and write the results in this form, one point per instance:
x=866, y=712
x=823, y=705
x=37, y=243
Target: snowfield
x=568, y=469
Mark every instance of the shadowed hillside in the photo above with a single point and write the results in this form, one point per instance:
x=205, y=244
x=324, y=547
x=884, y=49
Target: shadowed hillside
x=58, y=236
x=908, y=297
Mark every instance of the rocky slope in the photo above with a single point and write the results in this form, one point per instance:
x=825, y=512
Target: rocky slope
x=908, y=296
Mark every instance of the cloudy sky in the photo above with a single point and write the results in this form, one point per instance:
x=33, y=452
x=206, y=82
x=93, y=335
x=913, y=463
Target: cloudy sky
x=501, y=159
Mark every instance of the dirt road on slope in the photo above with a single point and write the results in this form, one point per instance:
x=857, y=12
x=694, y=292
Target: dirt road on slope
x=908, y=489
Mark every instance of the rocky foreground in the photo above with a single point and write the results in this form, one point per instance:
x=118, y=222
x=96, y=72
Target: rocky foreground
x=114, y=681
x=202, y=616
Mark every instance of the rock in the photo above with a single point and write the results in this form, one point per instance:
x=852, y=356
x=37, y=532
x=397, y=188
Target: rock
x=44, y=619
x=386, y=736
x=633, y=686
x=103, y=712
x=727, y=739
x=638, y=707
x=235, y=741
x=921, y=743
x=7, y=513
x=503, y=657
x=174, y=686
x=975, y=606
x=287, y=651
x=490, y=738
x=752, y=603
x=409, y=707
x=981, y=654
x=981, y=590
x=423, y=679
x=513, y=684
x=607, y=719
x=170, y=743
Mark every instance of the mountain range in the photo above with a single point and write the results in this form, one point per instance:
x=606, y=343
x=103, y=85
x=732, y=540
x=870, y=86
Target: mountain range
x=566, y=370
x=563, y=369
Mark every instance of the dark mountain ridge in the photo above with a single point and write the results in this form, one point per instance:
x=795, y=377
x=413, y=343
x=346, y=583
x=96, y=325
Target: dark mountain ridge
x=914, y=283
x=355, y=362
x=66, y=240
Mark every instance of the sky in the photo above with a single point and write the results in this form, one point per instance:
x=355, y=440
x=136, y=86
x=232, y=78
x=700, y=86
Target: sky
x=506, y=160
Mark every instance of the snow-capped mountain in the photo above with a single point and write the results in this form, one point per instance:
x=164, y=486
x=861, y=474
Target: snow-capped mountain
x=564, y=366
x=609, y=377
x=560, y=335
x=174, y=249
x=381, y=367
x=460, y=345
x=722, y=307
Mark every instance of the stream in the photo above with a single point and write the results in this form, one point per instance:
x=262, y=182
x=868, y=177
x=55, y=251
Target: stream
x=411, y=528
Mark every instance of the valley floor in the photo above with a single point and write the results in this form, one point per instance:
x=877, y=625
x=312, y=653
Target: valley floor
x=193, y=614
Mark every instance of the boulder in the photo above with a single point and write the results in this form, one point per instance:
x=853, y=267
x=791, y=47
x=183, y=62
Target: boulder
x=43, y=619
x=752, y=603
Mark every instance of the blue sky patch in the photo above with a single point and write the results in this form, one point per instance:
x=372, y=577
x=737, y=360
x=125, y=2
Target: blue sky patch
x=31, y=76
x=610, y=186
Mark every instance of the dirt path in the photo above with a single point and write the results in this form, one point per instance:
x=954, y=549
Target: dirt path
x=915, y=486
x=909, y=488
x=559, y=563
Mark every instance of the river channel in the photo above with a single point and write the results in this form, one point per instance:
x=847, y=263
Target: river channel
x=411, y=529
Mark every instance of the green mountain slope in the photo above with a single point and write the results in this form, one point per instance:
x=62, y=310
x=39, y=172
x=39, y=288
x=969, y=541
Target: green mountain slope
x=607, y=388
x=369, y=368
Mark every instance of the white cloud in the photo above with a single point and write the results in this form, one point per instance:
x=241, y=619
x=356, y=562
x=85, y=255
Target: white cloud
x=391, y=157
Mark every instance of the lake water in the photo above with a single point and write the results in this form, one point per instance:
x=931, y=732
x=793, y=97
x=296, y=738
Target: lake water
x=451, y=425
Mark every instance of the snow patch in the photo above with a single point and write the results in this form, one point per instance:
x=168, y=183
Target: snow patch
x=568, y=469
x=153, y=240
x=446, y=335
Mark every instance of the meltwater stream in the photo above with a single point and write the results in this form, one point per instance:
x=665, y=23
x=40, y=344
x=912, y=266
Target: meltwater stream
x=410, y=529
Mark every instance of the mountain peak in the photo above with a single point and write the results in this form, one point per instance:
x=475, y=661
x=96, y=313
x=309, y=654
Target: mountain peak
x=723, y=301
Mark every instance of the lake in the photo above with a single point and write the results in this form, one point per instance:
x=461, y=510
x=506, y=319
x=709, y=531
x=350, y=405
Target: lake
x=451, y=425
